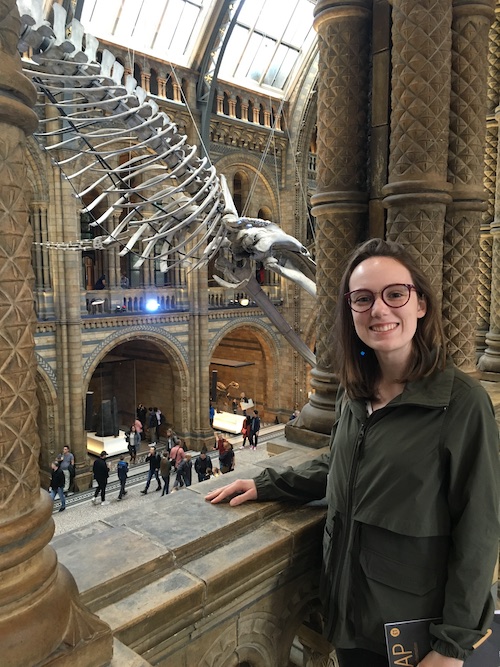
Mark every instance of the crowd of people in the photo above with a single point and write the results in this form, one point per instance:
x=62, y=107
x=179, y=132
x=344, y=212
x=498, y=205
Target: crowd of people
x=174, y=460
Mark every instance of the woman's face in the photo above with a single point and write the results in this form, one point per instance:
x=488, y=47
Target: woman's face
x=387, y=330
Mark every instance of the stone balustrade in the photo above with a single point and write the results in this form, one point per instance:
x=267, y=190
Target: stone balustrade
x=201, y=584
x=141, y=300
x=221, y=297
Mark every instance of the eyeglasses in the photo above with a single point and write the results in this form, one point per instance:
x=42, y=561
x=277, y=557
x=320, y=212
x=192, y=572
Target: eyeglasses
x=395, y=296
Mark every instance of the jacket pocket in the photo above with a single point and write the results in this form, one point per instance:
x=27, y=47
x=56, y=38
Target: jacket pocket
x=402, y=576
x=400, y=579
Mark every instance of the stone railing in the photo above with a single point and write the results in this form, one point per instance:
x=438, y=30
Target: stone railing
x=196, y=584
x=143, y=300
x=221, y=297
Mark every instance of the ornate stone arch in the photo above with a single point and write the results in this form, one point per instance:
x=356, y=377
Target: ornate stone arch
x=301, y=601
x=256, y=643
x=48, y=415
x=266, y=334
x=36, y=171
x=168, y=344
x=251, y=165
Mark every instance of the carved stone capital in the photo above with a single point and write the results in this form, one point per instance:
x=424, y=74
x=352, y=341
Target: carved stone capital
x=17, y=93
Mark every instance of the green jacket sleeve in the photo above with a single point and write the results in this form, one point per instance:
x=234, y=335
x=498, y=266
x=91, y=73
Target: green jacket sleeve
x=470, y=449
x=304, y=483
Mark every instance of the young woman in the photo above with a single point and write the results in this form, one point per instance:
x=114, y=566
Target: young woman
x=133, y=439
x=412, y=487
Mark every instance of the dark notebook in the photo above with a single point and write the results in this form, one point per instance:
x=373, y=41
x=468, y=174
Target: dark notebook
x=408, y=642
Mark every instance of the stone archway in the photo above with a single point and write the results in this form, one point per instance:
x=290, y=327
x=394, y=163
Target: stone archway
x=246, y=354
x=47, y=423
x=141, y=368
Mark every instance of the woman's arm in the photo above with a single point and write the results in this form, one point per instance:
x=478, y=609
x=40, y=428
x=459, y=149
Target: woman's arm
x=304, y=483
x=470, y=451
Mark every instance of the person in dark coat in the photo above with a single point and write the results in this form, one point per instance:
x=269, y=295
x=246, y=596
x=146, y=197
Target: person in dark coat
x=101, y=474
x=254, y=429
x=183, y=475
x=154, y=465
x=165, y=467
x=152, y=425
x=122, y=472
x=202, y=465
x=57, y=484
x=142, y=414
x=100, y=282
x=226, y=460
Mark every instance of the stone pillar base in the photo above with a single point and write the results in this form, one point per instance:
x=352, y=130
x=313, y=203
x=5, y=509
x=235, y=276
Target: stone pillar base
x=490, y=360
x=88, y=641
x=304, y=436
x=196, y=443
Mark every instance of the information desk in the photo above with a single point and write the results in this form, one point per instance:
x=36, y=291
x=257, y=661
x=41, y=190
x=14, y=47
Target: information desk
x=229, y=422
x=111, y=445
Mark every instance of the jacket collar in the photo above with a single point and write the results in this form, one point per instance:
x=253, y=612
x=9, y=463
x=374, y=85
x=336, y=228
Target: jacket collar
x=433, y=391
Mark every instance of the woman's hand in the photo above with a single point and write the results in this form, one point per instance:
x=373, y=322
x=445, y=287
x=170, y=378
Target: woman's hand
x=434, y=659
x=239, y=491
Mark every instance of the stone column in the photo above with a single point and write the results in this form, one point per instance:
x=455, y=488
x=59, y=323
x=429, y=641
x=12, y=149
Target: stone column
x=66, y=272
x=199, y=392
x=484, y=288
x=113, y=278
x=41, y=618
x=417, y=191
x=490, y=174
x=162, y=87
x=341, y=199
x=490, y=361
x=471, y=23
x=488, y=323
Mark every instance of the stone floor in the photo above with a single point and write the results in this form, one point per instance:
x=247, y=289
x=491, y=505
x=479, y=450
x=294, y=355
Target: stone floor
x=81, y=512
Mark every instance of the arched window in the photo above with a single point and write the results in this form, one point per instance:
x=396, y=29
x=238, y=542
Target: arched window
x=169, y=88
x=225, y=104
x=137, y=74
x=240, y=191
x=153, y=82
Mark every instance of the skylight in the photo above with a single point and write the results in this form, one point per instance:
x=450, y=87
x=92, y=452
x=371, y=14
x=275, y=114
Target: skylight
x=268, y=43
x=166, y=29
x=265, y=50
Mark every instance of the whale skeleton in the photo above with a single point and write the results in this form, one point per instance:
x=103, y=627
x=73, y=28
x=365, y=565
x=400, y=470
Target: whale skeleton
x=112, y=142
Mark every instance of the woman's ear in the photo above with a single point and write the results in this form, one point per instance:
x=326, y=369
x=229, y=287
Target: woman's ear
x=421, y=306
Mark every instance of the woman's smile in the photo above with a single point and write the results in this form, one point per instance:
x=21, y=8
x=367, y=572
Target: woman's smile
x=382, y=328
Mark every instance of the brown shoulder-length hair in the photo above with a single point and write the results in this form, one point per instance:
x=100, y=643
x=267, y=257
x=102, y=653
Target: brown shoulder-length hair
x=356, y=364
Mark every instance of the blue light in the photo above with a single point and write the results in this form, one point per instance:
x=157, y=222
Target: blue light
x=152, y=305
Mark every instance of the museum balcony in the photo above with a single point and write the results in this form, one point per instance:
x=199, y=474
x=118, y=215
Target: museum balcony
x=147, y=300
x=181, y=582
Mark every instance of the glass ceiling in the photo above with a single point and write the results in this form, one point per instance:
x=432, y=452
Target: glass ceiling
x=266, y=49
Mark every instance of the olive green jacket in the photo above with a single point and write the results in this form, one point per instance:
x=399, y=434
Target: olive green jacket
x=412, y=524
